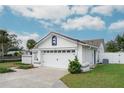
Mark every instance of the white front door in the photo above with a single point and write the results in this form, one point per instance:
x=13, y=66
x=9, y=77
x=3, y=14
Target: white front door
x=58, y=58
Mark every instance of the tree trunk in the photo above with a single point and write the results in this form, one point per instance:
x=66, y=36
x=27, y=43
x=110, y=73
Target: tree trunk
x=2, y=47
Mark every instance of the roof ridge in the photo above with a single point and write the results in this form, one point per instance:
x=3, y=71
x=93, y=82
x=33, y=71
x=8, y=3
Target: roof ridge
x=68, y=37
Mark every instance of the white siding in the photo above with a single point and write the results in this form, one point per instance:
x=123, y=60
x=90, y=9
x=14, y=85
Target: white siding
x=88, y=55
x=99, y=51
x=79, y=53
x=36, y=57
x=61, y=42
x=27, y=59
x=60, y=60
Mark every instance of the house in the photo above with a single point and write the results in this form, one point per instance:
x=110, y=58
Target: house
x=55, y=50
x=99, y=43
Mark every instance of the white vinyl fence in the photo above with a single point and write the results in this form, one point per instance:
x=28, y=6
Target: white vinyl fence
x=27, y=59
x=115, y=58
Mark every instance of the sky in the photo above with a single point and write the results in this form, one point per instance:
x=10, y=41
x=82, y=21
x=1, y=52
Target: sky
x=80, y=22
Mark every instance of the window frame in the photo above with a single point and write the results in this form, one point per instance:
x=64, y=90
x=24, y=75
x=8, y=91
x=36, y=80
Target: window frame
x=54, y=40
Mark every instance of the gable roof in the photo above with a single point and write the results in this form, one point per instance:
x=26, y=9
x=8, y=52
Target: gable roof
x=94, y=42
x=73, y=39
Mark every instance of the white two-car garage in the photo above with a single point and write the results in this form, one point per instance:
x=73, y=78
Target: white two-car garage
x=57, y=58
x=55, y=50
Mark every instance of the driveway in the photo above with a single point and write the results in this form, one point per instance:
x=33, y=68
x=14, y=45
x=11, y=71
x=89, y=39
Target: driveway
x=42, y=77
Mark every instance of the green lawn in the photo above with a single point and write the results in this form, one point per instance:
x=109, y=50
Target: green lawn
x=9, y=64
x=103, y=76
x=6, y=66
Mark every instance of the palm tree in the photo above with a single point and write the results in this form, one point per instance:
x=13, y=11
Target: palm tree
x=31, y=43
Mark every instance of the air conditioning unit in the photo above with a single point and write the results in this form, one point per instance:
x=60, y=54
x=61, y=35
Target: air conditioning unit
x=105, y=61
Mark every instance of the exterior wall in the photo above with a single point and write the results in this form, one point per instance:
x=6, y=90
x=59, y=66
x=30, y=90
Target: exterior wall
x=84, y=54
x=79, y=53
x=99, y=53
x=27, y=59
x=88, y=55
x=36, y=57
x=114, y=58
x=61, y=42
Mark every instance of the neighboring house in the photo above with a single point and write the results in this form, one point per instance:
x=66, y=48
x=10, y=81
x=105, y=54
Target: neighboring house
x=13, y=51
x=55, y=50
x=98, y=43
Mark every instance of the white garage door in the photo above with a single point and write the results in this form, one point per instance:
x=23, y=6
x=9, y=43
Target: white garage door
x=57, y=58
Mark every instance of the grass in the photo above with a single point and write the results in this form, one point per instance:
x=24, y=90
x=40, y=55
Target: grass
x=9, y=64
x=103, y=76
x=24, y=66
x=6, y=66
x=5, y=70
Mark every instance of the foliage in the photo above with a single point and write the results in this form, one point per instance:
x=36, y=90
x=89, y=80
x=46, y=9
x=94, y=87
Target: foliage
x=31, y=43
x=15, y=64
x=24, y=66
x=103, y=76
x=74, y=66
x=116, y=45
x=5, y=70
x=8, y=41
x=111, y=46
x=18, y=53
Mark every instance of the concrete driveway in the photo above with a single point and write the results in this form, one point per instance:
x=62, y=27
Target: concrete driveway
x=42, y=77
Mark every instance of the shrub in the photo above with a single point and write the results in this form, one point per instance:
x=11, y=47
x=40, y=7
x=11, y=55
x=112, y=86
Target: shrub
x=74, y=66
x=17, y=53
x=5, y=70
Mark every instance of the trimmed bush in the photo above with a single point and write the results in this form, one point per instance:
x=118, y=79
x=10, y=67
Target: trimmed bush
x=5, y=70
x=74, y=66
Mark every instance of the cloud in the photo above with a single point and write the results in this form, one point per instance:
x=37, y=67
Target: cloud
x=80, y=9
x=1, y=9
x=103, y=10
x=85, y=22
x=117, y=26
x=42, y=12
x=119, y=8
x=48, y=12
x=49, y=16
x=25, y=36
x=107, y=10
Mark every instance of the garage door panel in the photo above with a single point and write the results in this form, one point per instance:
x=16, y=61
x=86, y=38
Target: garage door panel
x=57, y=60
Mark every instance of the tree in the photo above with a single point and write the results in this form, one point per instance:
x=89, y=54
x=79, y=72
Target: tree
x=74, y=66
x=119, y=40
x=3, y=40
x=31, y=43
x=111, y=46
x=116, y=45
x=8, y=41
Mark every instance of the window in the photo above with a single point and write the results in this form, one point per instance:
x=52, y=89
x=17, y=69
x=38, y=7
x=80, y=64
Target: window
x=63, y=51
x=55, y=51
x=44, y=51
x=51, y=51
x=48, y=51
x=68, y=51
x=59, y=51
x=73, y=51
x=54, y=40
